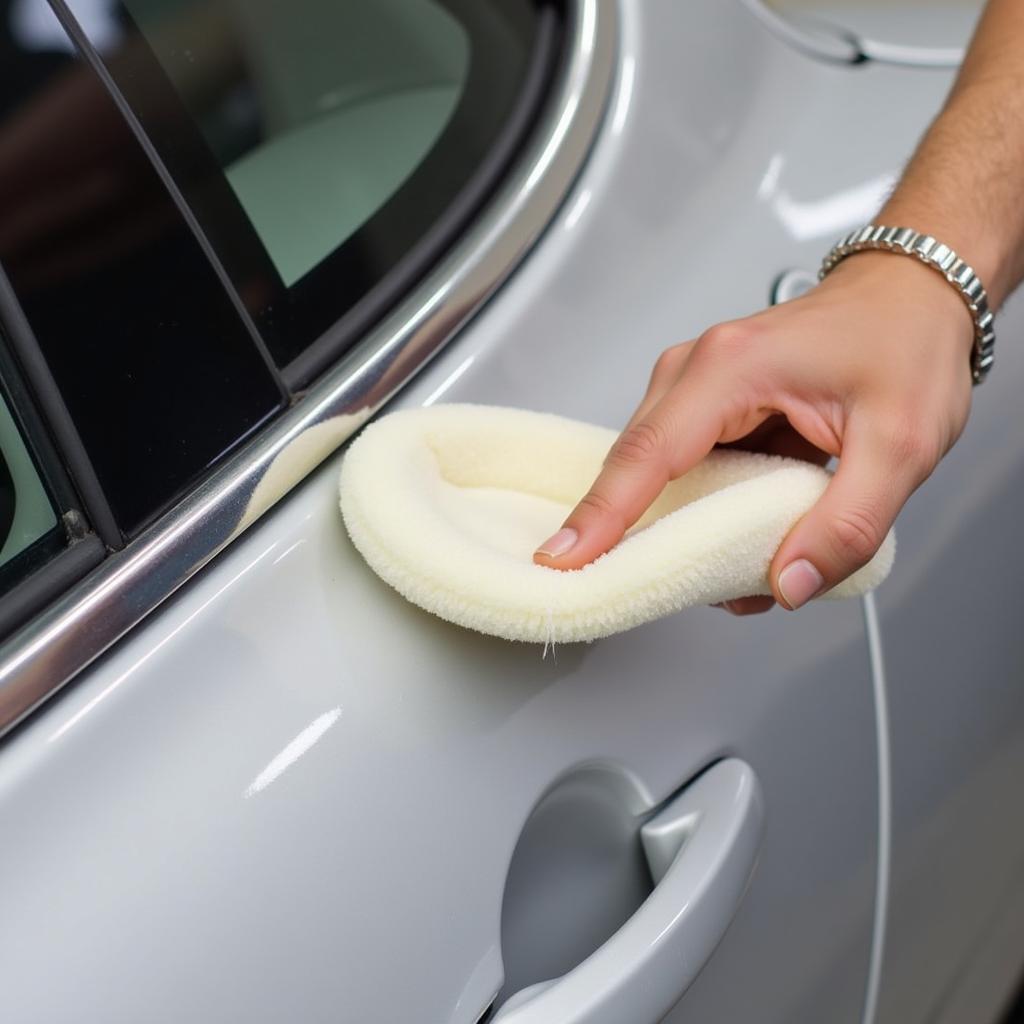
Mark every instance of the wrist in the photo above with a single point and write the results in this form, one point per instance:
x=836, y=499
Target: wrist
x=910, y=287
x=979, y=248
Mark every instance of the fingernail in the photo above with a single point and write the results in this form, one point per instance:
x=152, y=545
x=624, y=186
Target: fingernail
x=561, y=543
x=799, y=582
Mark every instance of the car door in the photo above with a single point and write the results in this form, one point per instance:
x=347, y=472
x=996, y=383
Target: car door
x=274, y=790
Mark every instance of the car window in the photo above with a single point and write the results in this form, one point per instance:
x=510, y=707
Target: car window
x=26, y=513
x=319, y=142
x=45, y=540
x=140, y=339
x=318, y=112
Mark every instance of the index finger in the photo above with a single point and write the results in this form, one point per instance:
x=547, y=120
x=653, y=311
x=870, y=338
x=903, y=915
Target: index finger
x=674, y=436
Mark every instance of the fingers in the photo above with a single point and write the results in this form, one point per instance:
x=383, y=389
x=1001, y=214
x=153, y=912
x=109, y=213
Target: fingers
x=850, y=397
x=845, y=528
x=696, y=398
x=676, y=434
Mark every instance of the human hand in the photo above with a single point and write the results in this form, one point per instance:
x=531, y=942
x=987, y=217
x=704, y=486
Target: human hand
x=871, y=366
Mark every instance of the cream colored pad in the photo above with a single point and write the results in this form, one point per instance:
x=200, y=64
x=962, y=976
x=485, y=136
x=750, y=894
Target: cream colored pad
x=448, y=503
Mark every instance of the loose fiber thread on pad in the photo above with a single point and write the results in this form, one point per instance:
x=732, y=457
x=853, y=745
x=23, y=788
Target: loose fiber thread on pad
x=448, y=503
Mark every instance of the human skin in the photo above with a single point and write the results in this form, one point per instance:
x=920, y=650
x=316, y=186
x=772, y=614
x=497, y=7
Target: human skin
x=872, y=366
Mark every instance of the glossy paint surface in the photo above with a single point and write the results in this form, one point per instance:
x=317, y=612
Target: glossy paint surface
x=290, y=795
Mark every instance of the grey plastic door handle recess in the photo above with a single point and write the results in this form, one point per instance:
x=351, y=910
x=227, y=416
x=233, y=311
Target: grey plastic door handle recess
x=701, y=849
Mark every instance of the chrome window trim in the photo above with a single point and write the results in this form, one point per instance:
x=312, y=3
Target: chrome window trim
x=97, y=612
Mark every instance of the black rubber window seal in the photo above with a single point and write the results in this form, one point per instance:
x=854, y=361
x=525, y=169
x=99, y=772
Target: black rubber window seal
x=33, y=593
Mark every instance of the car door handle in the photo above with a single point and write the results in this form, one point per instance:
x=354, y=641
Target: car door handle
x=701, y=849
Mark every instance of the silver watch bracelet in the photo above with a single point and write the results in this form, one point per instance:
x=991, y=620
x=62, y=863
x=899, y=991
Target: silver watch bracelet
x=931, y=252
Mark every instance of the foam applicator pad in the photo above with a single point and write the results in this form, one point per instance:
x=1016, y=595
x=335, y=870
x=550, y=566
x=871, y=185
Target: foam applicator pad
x=448, y=503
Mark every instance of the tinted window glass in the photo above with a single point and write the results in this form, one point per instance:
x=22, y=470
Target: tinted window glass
x=317, y=141
x=319, y=111
x=32, y=533
x=150, y=355
x=26, y=513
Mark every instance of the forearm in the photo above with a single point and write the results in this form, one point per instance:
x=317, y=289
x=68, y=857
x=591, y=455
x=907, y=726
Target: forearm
x=965, y=183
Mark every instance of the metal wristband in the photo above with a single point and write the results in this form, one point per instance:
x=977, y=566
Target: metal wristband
x=939, y=257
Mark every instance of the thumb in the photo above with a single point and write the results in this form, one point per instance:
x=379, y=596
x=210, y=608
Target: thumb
x=846, y=526
x=654, y=449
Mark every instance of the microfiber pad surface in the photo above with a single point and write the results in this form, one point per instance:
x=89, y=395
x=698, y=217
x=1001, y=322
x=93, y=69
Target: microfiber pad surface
x=448, y=503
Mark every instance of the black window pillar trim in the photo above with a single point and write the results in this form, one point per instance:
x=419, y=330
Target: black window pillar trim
x=90, y=55
x=128, y=586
